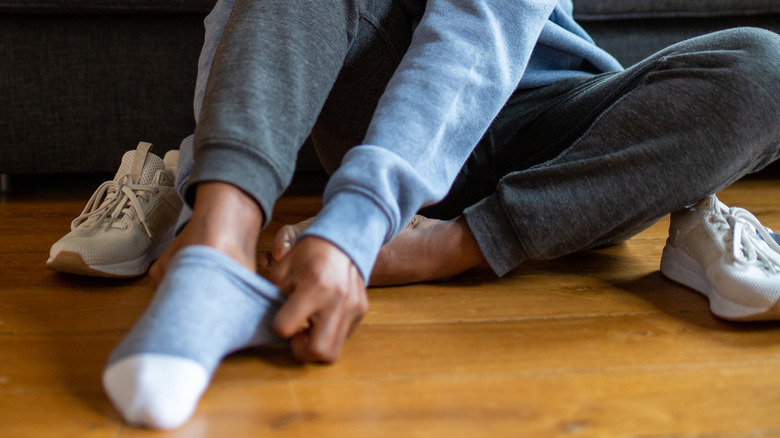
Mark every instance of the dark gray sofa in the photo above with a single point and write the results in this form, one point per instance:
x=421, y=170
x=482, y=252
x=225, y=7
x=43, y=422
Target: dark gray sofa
x=81, y=81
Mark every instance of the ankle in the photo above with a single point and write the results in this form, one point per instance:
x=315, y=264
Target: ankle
x=470, y=253
x=227, y=219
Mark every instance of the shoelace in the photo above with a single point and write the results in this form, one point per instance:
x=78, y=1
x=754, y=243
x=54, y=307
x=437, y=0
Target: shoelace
x=751, y=242
x=119, y=196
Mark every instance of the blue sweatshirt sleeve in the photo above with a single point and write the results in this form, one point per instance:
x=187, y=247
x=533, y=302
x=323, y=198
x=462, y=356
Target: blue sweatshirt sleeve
x=465, y=60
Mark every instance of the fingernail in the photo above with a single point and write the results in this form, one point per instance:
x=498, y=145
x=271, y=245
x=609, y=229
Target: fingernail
x=286, y=244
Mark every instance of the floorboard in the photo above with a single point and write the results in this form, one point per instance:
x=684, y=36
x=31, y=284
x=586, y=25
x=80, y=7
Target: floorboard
x=597, y=344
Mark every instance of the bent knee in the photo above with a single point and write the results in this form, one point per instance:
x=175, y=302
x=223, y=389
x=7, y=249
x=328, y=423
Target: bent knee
x=755, y=40
x=745, y=63
x=759, y=51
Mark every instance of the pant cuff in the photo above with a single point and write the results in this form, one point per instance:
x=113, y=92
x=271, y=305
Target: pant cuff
x=246, y=170
x=495, y=235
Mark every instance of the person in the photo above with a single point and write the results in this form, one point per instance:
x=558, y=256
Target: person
x=457, y=133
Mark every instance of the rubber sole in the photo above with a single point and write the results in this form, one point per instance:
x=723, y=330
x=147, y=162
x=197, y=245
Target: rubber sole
x=72, y=263
x=679, y=267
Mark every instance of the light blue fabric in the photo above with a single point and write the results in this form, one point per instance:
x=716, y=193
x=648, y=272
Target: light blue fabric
x=465, y=60
x=207, y=307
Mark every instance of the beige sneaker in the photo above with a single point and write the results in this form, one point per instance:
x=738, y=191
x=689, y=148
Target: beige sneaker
x=128, y=222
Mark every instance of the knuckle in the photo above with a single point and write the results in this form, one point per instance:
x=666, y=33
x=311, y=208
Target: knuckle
x=343, y=294
x=334, y=293
x=357, y=305
x=322, y=354
x=363, y=307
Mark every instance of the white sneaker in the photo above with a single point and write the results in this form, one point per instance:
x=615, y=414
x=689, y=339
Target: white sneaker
x=128, y=222
x=726, y=254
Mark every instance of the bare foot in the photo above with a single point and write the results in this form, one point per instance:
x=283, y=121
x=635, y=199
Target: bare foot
x=224, y=218
x=426, y=250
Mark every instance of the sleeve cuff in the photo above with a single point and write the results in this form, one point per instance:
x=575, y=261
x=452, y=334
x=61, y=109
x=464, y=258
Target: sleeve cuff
x=356, y=224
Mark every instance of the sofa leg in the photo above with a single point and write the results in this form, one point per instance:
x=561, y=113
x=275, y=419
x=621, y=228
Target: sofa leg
x=5, y=183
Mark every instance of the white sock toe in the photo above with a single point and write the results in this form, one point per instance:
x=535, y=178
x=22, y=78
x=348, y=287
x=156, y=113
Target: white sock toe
x=155, y=390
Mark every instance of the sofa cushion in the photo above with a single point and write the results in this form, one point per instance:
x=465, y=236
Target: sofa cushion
x=620, y=9
x=584, y=9
x=106, y=6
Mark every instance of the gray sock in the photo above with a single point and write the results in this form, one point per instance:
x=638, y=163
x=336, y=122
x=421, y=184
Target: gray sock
x=207, y=307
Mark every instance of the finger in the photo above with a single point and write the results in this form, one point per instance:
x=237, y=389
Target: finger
x=353, y=325
x=334, y=325
x=350, y=323
x=342, y=333
x=301, y=305
x=331, y=330
x=361, y=311
x=324, y=344
x=300, y=346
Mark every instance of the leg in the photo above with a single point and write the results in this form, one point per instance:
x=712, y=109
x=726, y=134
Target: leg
x=592, y=161
x=683, y=124
x=214, y=24
x=267, y=84
x=381, y=35
x=270, y=77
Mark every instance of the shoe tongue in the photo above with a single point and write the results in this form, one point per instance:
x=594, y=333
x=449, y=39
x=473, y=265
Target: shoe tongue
x=708, y=203
x=146, y=169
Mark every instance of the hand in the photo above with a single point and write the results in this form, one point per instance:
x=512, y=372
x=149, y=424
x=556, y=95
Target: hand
x=326, y=291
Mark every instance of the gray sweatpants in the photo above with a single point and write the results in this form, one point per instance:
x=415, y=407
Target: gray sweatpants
x=577, y=164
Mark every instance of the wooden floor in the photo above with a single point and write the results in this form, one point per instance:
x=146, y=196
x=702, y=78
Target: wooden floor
x=591, y=345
